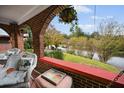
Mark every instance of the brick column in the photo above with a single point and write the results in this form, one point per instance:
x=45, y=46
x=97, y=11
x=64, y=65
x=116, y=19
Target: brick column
x=38, y=43
x=16, y=37
x=12, y=36
x=19, y=38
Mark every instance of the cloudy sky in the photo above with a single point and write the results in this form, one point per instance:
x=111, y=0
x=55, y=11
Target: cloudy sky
x=2, y=32
x=86, y=17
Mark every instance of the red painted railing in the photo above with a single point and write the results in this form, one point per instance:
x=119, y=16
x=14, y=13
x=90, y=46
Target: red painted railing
x=97, y=74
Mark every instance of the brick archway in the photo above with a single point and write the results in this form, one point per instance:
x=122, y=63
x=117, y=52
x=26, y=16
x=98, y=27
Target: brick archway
x=51, y=14
x=39, y=24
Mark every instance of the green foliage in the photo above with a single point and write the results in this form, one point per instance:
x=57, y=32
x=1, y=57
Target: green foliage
x=53, y=37
x=120, y=51
x=95, y=34
x=29, y=50
x=66, y=36
x=77, y=32
x=90, y=47
x=110, y=41
x=71, y=52
x=25, y=29
x=119, y=54
x=78, y=42
x=107, y=43
x=68, y=15
x=55, y=54
x=28, y=43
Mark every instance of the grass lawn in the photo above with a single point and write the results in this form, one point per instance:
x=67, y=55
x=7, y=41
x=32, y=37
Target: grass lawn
x=87, y=61
x=92, y=63
x=29, y=50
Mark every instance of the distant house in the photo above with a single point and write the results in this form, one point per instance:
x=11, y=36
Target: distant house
x=5, y=43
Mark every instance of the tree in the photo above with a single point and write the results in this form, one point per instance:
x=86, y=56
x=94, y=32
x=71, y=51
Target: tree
x=66, y=36
x=78, y=42
x=77, y=32
x=90, y=47
x=108, y=42
x=53, y=37
x=95, y=34
x=120, y=48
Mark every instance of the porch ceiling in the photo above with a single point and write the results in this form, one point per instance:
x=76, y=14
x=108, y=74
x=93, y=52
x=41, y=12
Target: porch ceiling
x=19, y=13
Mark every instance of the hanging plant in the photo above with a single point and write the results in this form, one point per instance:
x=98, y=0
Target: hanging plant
x=25, y=28
x=69, y=16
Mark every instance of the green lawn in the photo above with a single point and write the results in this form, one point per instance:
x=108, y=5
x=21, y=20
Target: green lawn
x=29, y=50
x=87, y=61
x=92, y=63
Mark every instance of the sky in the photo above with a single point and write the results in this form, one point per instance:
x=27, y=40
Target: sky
x=2, y=32
x=86, y=17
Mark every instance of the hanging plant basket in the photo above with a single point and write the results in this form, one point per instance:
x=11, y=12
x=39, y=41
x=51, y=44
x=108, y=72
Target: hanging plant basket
x=24, y=29
x=68, y=15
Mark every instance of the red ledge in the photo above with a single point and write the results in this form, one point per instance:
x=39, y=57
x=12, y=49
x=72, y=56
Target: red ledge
x=95, y=73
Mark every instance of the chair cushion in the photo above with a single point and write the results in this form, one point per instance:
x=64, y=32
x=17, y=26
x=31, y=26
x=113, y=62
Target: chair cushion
x=3, y=56
x=13, y=61
x=25, y=64
x=18, y=76
x=13, y=78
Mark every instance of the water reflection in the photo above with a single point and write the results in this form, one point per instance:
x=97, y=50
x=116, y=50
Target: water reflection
x=115, y=61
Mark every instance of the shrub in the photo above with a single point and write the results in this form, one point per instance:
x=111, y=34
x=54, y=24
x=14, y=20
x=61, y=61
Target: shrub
x=26, y=45
x=119, y=54
x=55, y=54
x=71, y=52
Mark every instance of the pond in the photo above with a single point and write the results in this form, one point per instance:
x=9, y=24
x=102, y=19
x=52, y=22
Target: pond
x=115, y=61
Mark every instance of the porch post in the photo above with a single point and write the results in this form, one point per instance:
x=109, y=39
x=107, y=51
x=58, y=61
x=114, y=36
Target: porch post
x=16, y=37
x=38, y=43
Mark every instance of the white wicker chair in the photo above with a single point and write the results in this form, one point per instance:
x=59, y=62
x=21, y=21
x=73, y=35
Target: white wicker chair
x=33, y=62
x=5, y=55
x=27, y=64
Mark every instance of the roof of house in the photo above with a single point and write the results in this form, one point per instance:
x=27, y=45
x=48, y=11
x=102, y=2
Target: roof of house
x=4, y=37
